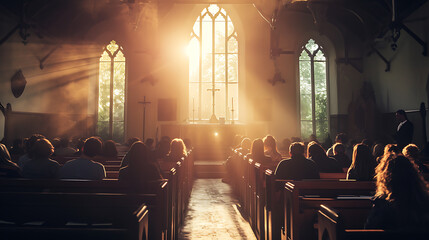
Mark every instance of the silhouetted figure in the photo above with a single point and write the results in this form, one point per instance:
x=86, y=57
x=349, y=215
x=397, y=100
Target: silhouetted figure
x=270, y=147
x=340, y=155
x=297, y=167
x=404, y=131
x=41, y=166
x=245, y=145
x=257, y=152
x=8, y=169
x=340, y=138
x=28, y=149
x=109, y=152
x=377, y=151
x=412, y=152
x=140, y=169
x=401, y=200
x=84, y=167
x=324, y=163
x=64, y=150
x=363, y=164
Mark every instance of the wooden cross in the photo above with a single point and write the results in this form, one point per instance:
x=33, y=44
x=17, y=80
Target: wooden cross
x=144, y=114
x=214, y=90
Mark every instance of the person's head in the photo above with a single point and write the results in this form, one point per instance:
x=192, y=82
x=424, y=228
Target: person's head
x=132, y=140
x=149, y=142
x=42, y=149
x=377, y=150
x=109, y=149
x=315, y=150
x=341, y=138
x=177, y=148
x=92, y=147
x=138, y=155
x=391, y=148
x=362, y=157
x=31, y=141
x=257, y=148
x=401, y=115
x=297, y=149
x=411, y=151
x=246, y=143
x=312, y=138
x=4, y=154
x=398, y=179
x=339, y=148
x=270, y=143
x=295, y=139
x=64, y=142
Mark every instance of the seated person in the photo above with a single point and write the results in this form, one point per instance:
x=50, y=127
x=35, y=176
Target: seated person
x=412, y=152
x=363, y=164
x=28, y=149
x=41, y=166
x=84, y=167
x=177, y=152
x=324, y=163
x=341, y=156
x=402, y=199
x=297, y=167
x=8, y=169
x=244, y=146
x=270, y=146
x=377, y=152
x=109, y=152
x=140, y=169
x=257, y=152
x=64, y=150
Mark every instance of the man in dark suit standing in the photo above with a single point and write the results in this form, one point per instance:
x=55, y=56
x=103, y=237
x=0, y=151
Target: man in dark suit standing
x=405, y=130
x=297, y=167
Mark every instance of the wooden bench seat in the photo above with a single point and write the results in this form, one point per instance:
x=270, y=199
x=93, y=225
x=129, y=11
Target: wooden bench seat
x=100, y=216
x=157, y=196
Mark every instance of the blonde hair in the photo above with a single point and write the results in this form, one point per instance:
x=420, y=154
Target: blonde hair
x=178, y=148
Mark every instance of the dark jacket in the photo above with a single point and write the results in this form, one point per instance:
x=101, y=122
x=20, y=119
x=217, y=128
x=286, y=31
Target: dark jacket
x=297, y=168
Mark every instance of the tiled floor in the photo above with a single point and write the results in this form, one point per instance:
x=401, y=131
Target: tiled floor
x=213, y=214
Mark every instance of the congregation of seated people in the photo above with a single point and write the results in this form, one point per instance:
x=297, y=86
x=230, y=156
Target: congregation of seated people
x=39, y=158
x=401, y=189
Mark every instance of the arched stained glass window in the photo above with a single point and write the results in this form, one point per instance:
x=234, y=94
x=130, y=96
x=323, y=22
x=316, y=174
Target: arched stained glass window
x=111, y=93
x=313, y=91
x=213, y=66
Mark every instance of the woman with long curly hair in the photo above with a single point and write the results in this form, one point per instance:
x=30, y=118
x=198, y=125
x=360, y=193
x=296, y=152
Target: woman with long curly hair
x=402, y=198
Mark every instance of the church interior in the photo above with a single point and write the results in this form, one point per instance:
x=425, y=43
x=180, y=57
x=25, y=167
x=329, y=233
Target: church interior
x=211, y=73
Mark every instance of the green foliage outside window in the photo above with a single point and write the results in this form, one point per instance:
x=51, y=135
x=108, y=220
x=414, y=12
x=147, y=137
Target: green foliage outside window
x=111, y=61
x=313, y=84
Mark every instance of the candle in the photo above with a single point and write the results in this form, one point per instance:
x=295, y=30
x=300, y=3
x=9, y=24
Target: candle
x=232, y=102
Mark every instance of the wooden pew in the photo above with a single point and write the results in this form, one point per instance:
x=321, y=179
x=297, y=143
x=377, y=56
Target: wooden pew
x=333, y=227
x=303, y=198
x=260, y=198
x=72, y=216
x=157, y=197
x=333, y=176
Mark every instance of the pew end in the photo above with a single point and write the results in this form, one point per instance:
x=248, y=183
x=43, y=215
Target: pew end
x=331, y=226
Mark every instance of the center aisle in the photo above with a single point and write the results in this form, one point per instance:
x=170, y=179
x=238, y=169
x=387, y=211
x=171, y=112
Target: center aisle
x=213, y=214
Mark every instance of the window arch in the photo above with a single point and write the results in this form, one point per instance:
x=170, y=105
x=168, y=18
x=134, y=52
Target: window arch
x=111, y=93
x=313, y=90
x=213, y=66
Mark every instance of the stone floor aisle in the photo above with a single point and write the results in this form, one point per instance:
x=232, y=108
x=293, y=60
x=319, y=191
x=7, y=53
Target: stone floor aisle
x=213, y=214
